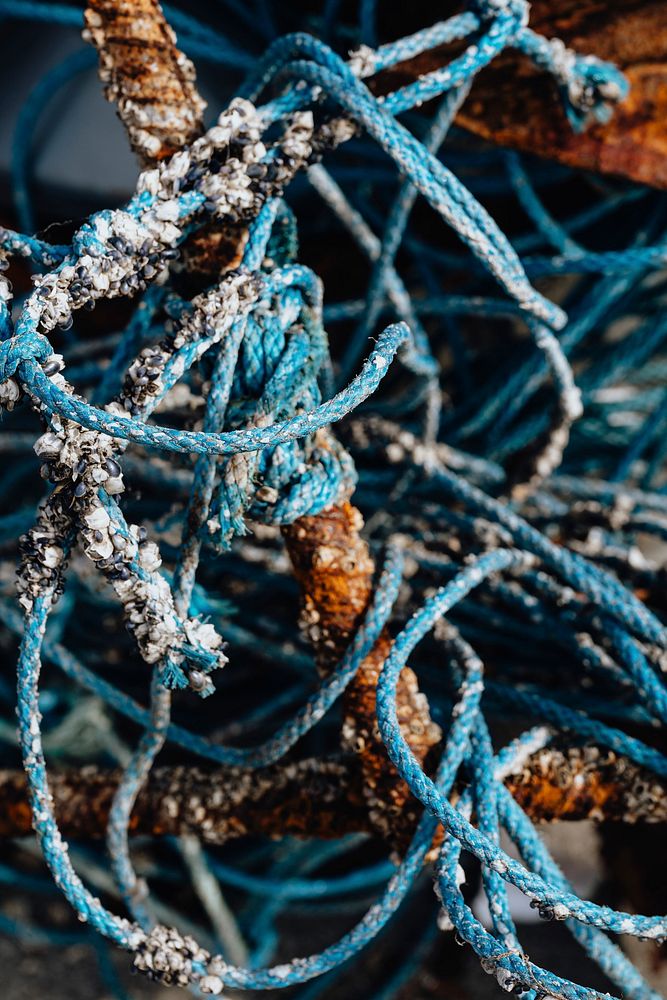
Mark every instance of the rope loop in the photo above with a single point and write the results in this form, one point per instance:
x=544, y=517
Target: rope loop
x=25, y=347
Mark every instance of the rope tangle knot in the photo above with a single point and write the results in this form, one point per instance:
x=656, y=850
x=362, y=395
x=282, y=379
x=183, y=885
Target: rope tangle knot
x=30, y=346
x=34, y=347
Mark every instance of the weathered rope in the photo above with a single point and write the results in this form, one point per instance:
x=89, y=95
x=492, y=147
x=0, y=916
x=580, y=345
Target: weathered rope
x=466, y=497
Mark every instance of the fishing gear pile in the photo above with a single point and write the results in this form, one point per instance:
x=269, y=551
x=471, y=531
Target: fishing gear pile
x=204, y=461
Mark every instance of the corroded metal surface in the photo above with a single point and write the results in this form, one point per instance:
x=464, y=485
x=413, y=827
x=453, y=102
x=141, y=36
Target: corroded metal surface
x=588, y=783
x=335, y=571
x=312, y=798
x=320, y=798
x=514, y=105
x=145, y=75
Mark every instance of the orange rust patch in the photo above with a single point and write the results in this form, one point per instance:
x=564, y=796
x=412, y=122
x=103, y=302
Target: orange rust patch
x=335, y=571
x=146, y=75
x=513, y=104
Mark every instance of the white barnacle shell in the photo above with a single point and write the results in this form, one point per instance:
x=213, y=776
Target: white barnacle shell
x=220, y=133
x=99, y=475
x=9, y=393
x=114, y=484
x=97, y=519
x=506, y=980
x=48, y=445
x=101, y=550
x=168, y=233
x=116, y=409
x=444, y=921
x=211, y=984
x=149, y=181
x=166, y=211
x=52, y=555
x=202, y=634
x=26, y=602
x=100, y=281
x=124, y=589
x=149, y=557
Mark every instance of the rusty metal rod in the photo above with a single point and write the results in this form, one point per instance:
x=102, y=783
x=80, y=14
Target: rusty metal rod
x=323, y=798
x=152, y=83
x=334, y=569
x=513, y=104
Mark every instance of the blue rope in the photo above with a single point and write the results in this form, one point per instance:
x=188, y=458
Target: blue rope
x=230, y=396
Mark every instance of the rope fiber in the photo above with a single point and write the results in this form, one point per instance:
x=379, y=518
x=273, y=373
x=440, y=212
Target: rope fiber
x=503, y=442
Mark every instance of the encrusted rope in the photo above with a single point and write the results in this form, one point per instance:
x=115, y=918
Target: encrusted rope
x=238, y=374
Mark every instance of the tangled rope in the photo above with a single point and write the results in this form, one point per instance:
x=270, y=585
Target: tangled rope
x=466, y=497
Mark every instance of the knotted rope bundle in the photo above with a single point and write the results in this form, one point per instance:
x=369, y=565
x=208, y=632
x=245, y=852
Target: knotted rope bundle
x=246, y=359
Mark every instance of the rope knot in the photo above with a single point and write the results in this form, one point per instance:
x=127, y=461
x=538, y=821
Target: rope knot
x=589, y=87
x=27, y=347
x=593, y=88
x=489, y=9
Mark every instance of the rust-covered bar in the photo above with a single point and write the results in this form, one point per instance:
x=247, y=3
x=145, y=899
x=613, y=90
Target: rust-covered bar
x=320, y=798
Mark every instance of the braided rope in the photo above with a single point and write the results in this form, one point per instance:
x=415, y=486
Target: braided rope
x=252, y=353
